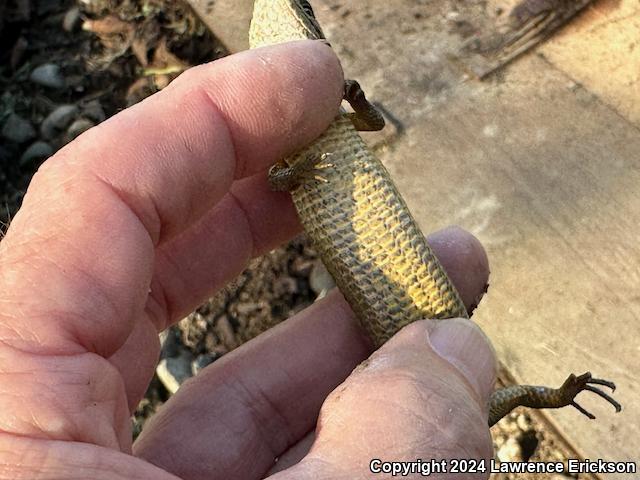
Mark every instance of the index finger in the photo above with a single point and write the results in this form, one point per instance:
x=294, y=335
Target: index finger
x=84, y=239
x=175, y=155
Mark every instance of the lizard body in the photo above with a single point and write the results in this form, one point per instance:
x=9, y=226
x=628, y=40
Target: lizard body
x=356, y=217
x=359, y=223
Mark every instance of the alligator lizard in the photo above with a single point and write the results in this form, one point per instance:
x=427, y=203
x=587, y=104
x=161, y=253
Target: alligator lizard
x=360, y=225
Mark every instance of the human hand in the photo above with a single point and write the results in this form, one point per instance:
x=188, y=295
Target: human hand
x=132, y=225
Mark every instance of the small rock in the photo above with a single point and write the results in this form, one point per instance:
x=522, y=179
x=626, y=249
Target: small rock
x=212, y=345
x=225, y=331
x=36, y=152
x=170, y=344
x=48, y=75
x=499, y=440
x=18, y=51
x=199, y=321
x=202, y=361
x=320, y=280
x=163, y=336
x=71, y=20
x=302, y=266
x=93, y=111
x=76, y=82
x=17, y=129
x=79, y=126
x=247, y=308
x=523, y=423
x=452, y=15
x=174, y=371
x=57, y=121
x=511, y=451
x=161, y=81
x=285, y=285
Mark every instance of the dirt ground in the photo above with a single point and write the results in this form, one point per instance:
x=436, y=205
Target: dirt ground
x=65, y=67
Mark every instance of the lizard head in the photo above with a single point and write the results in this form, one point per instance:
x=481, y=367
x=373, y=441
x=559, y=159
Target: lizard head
x=277, y=21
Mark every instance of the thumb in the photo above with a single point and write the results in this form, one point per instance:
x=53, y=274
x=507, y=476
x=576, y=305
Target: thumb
x=423, y=395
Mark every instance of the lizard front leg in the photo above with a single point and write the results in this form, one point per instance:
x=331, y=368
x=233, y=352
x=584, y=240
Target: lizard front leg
x=285, y=178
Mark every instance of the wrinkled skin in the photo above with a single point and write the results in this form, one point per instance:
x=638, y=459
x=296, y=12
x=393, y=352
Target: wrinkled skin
x=132, y=225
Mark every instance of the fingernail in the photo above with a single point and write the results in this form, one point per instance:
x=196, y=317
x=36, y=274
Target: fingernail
x=463, y=344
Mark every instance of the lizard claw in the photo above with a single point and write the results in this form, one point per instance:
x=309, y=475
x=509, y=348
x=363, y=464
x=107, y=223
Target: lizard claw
x=322, y=166
x=576, y=384
x=312, y=166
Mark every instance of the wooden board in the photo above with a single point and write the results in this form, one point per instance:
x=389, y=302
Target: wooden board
x=545, y=172
x=601, y=50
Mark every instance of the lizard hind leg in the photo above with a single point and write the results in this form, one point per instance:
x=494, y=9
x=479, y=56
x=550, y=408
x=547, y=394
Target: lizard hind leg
x=504, y=400
x=365, y=116
x=285, y=178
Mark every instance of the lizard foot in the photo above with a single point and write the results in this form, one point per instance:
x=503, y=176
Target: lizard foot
x=285, y=178
x=576, y=384
x=504, y=400
x=365, y=116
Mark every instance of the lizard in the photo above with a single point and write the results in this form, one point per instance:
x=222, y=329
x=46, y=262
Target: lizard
x=364, y=233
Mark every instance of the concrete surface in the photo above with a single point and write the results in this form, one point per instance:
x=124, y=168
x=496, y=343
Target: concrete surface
x=540, y=162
